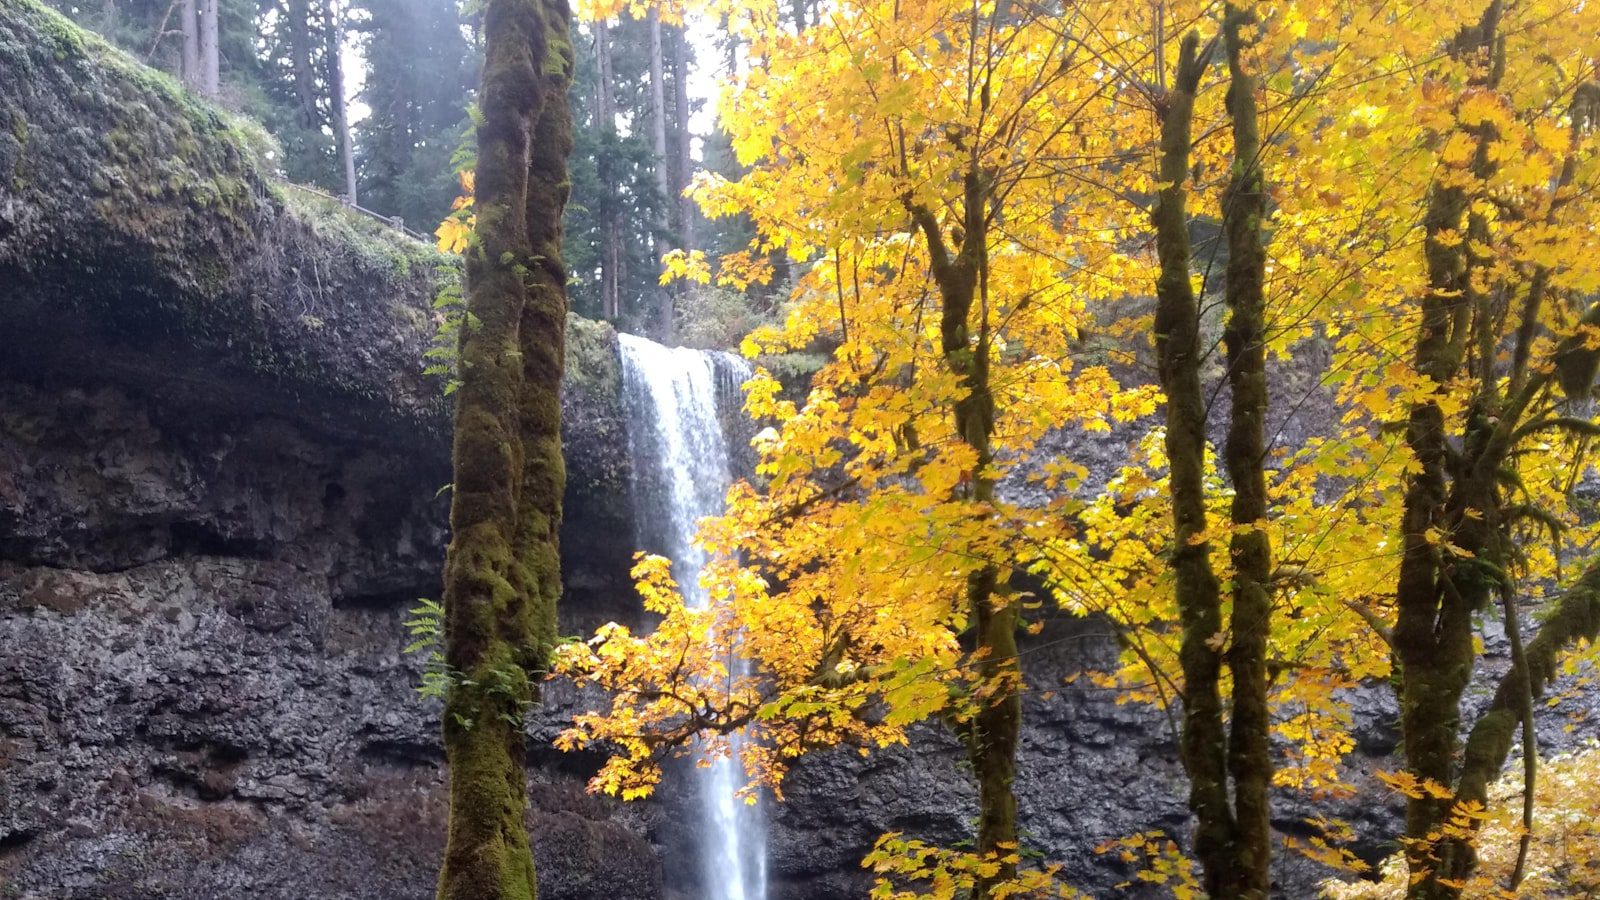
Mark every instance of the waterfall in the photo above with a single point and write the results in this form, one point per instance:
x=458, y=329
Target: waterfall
x=682, y=468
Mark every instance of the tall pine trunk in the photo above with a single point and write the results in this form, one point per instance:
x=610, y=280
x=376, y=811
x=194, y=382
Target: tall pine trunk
x=341, y=116
x=658, y=133
x=298, y=32
x=501, y=571
x=611, y=225
x=210, y=53
x=190, y=26
x=683, y=158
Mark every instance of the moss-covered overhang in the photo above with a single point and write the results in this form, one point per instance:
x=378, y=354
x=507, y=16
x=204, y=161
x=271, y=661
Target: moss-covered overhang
x=138, y=223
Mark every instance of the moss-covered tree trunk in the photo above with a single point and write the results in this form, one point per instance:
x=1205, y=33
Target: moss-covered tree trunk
x=1506, y=407
x=1177, y=336
x=1229, y=763
x=501, y=572
x=1243, y=210
x=960, y=269
x=1438, y=592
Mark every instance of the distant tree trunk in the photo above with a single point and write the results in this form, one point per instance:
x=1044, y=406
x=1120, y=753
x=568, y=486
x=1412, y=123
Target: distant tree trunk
x=502, y=571
x=611, y=233
x=658, y=132
x=191, y=45
x=605, y=108
x=297, y=30
x=341, y=117
x=210, y=53
x=685, y=162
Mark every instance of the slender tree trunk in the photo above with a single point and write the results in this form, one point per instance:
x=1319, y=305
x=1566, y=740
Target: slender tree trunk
x=301, y=53
x=684, y=158
x=1177, y=337
x=501, y=571
x=210, y=53
x=191, y=44
x=341, y=117
x=658, y=109
x=658, y=133
x=1244, y=208
x=611, y=233
x=962, y=279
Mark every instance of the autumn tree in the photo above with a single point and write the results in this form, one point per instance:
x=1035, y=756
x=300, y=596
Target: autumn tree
x=502, y=570
x=1497, y=288
x=967, y=195
x=1232, y=837
x=874, y=564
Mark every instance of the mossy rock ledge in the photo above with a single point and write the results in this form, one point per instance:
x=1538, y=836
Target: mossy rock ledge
x=146, y=242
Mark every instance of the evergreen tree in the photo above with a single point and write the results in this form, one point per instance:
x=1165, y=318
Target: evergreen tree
x=419, y=82
x=613, y=219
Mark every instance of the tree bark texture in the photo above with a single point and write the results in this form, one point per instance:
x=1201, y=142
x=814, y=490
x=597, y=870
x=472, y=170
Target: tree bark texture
x=1204, y=741
x=210, y=54
x=1250, y=550
x=683, y=158
x=191, y=44
x=502, y=576
x=341, y=116
x=962, y=280
x=1438, y=592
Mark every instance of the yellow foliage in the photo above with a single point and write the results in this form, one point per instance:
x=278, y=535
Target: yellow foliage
x=840, y=568
x=1563, y=858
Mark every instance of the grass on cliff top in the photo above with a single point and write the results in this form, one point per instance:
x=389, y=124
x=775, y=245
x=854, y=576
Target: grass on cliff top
x=209, y=139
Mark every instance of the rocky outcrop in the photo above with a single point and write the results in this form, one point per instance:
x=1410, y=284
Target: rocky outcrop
x=220, y=492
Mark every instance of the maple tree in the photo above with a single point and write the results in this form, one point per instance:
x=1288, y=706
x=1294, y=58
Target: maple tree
x=974, y=192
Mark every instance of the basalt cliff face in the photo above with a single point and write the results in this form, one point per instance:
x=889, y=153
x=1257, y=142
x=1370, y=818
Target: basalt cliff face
x=220, y=474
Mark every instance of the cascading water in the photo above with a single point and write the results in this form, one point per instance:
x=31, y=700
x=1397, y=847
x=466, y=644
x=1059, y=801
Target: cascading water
x=682, y=468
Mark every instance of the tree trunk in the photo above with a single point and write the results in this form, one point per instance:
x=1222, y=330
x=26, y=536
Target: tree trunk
x=210, y=54
x=684, y=158
x=1177, y=337
x=1435, y=598
x=611, y=233
x=191, y=44
x=658, y=131
x=1243, y=209
x=658, y=109
x=341, y=118
x=501, y=572
x=301, y=53
x=962, y=279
